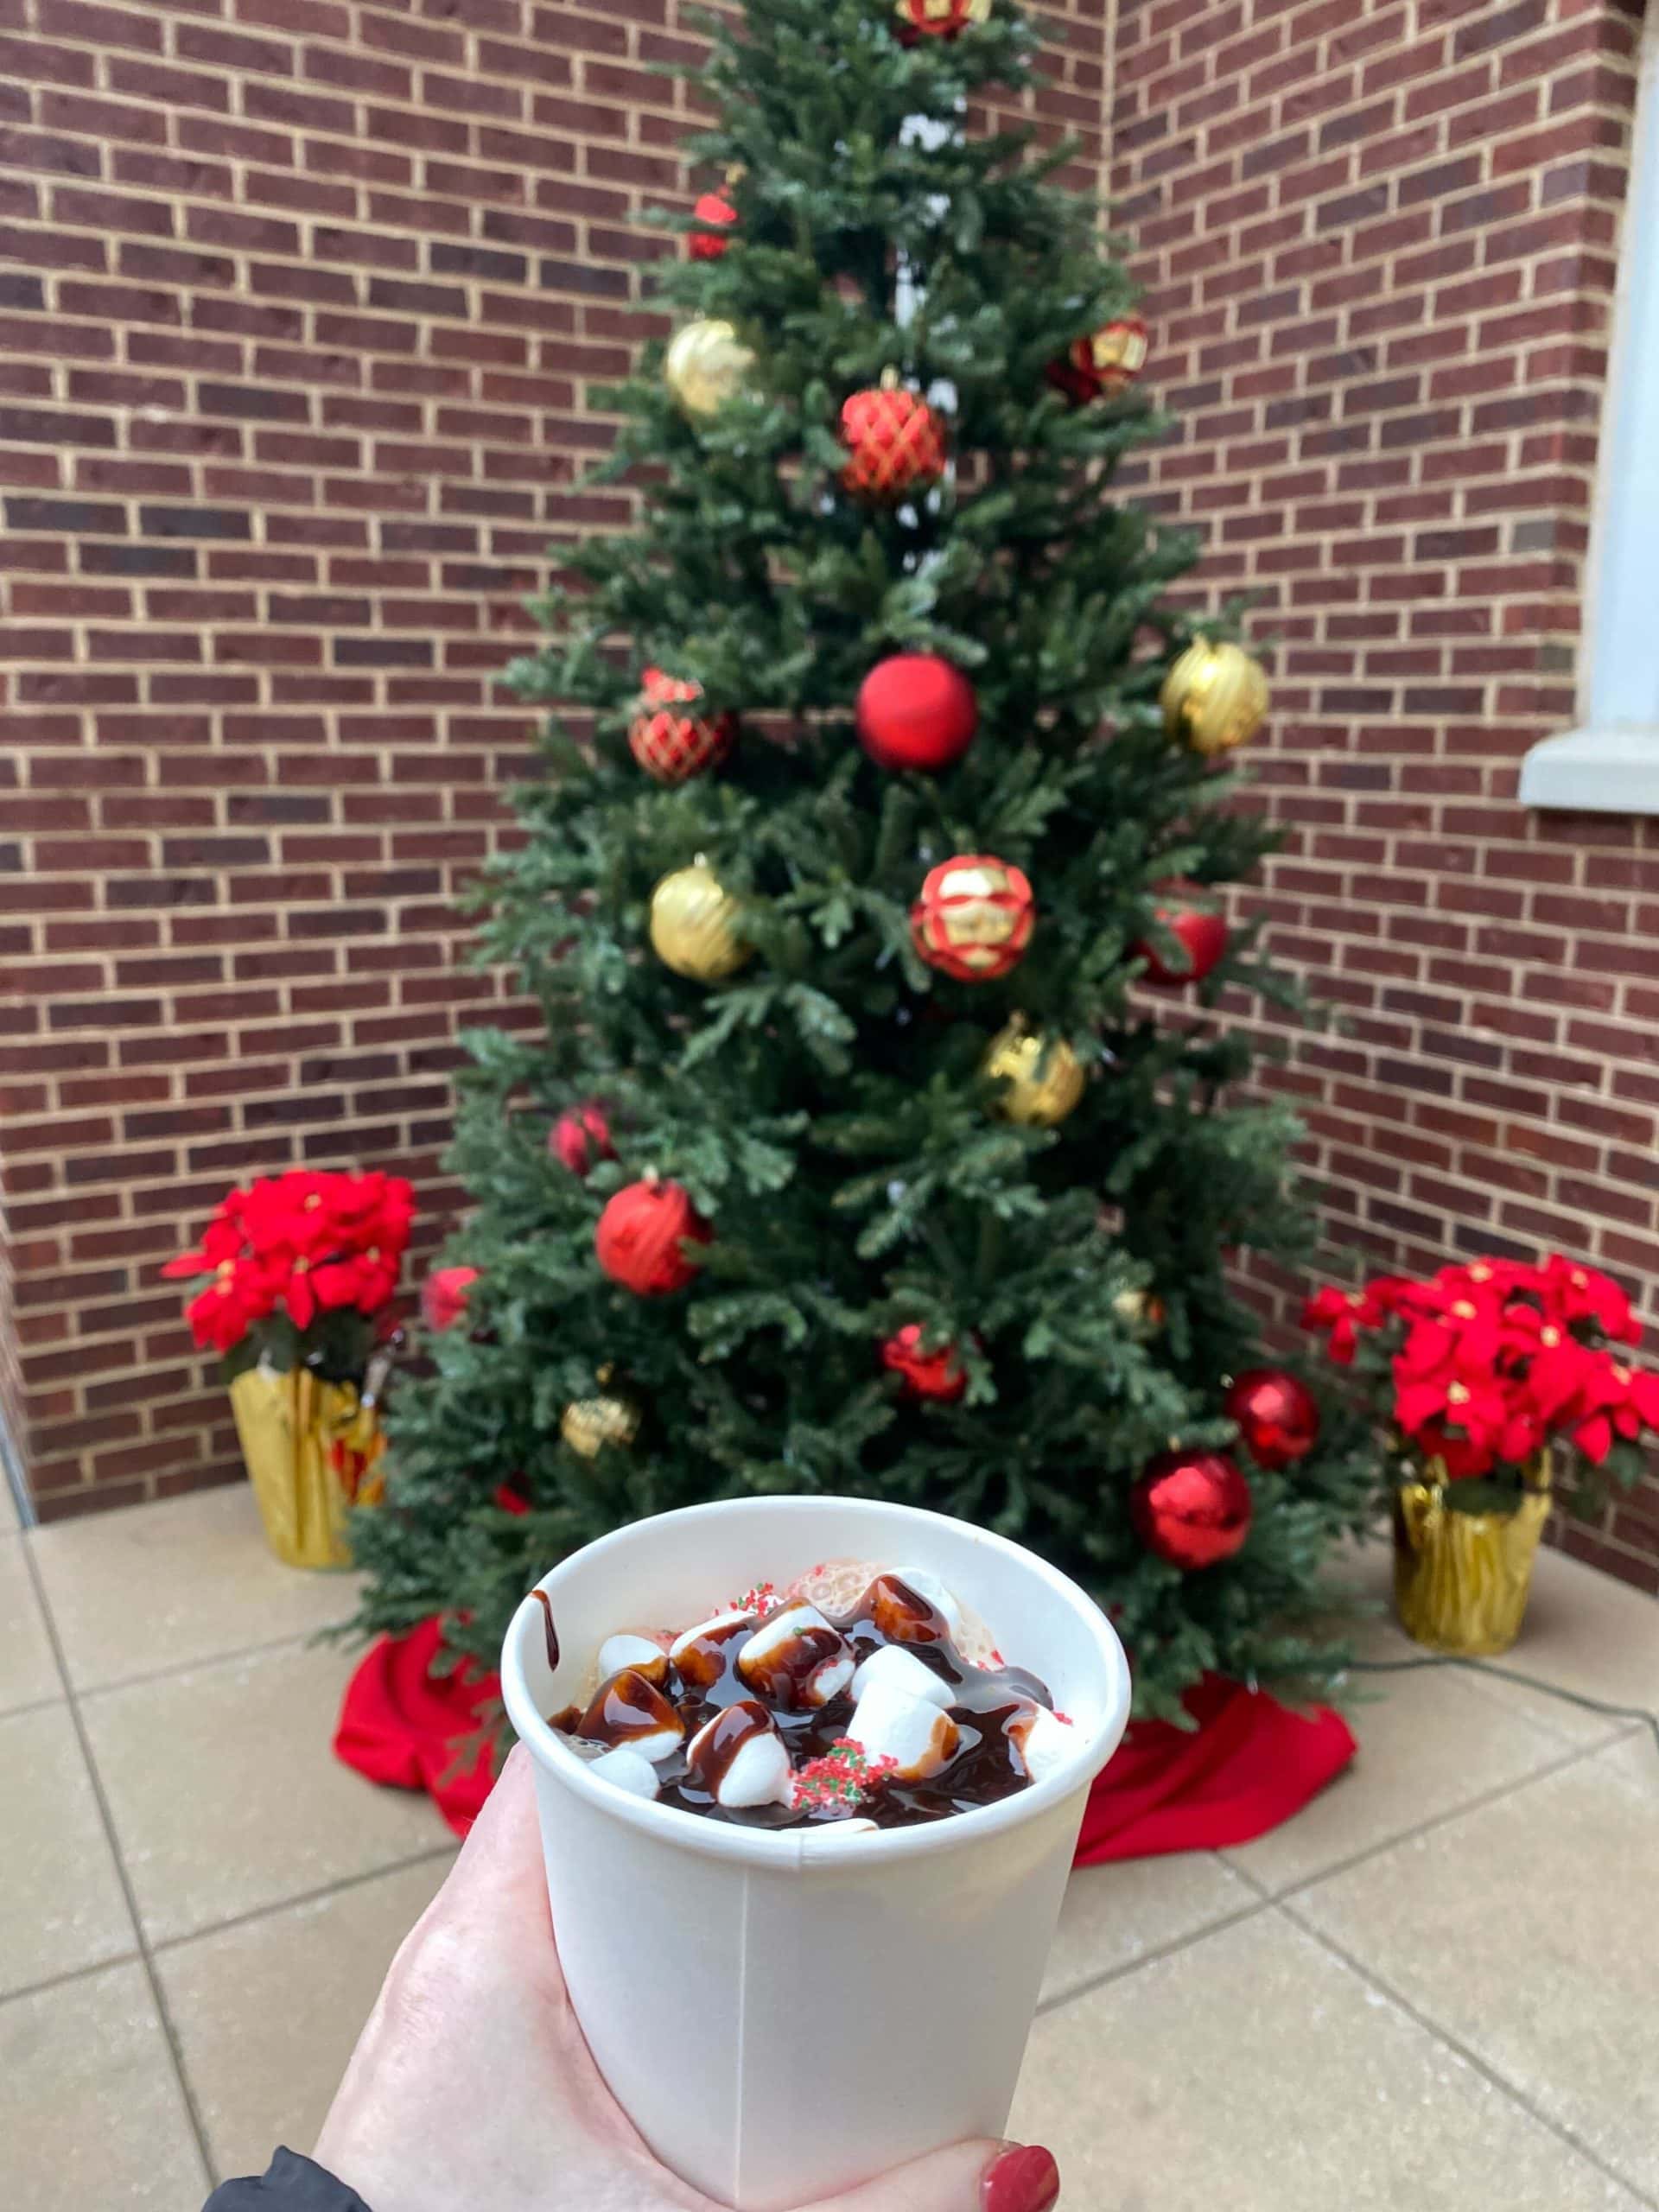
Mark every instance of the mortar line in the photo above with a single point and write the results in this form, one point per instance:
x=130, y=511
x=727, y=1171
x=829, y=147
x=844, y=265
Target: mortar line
x=1153, y=1957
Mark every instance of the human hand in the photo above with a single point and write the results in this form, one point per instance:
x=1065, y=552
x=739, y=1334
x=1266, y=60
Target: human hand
x=472, y=2089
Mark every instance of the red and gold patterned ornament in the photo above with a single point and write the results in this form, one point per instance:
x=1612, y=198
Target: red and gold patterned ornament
x=895, y=441
x=939, y=18
x=711, y=207
x=973, y=917
x=639, y=1237
x=937, y=1375
x=672, y=747
x=1105, y=362
x=1202, y=934
x=1191, y=1509
x=581, y=1138
x=915, y=710
x=1278, y=1418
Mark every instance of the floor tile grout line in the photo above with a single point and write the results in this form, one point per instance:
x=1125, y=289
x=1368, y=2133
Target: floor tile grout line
x=1489, y=2073
x=162, y=1945
x=146, y=1676
x=158, y=1995
x=70, y=1974
x=1154, y=1957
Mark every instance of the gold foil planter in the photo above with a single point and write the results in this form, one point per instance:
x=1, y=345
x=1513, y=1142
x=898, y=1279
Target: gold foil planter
x=1461, y=1580
x=312, y=1450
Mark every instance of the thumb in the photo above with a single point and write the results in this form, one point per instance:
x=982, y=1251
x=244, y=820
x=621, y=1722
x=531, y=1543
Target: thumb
x=981, y=2176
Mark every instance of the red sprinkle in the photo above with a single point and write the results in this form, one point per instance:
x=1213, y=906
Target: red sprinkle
x=841, y=1780
x=755, y=1600
x=1064, y=1717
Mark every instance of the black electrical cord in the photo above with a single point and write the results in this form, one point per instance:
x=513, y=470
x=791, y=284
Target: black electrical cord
x=1511, y=1674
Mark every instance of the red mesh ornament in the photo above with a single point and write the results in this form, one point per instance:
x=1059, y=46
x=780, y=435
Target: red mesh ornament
x=1204, y=935
x=937, y=18
x=711, y=207
x=974, y=916
x=1108, y=360
x=637, y=1238
x=1191, y=1508
x=581, y=1138
x=916, y=711
x=895, y=440
x=672, y=746
x=1278, y=1420
x=927, y=1374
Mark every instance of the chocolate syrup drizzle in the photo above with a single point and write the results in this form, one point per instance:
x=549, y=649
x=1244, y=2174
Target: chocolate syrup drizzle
x=987, y=1766
x=546, y=1603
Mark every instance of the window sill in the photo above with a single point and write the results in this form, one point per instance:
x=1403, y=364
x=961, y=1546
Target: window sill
x=1594, y=771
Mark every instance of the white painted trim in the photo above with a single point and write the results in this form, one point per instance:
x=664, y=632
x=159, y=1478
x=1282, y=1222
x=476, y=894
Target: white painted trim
x=1609, y=763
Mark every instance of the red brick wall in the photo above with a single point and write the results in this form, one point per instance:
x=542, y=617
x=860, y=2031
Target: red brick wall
x=1381, y=243
x=298, y=303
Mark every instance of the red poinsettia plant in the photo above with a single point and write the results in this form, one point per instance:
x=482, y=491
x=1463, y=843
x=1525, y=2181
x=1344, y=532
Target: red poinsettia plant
x=1483, y=1368
x=300, y=1271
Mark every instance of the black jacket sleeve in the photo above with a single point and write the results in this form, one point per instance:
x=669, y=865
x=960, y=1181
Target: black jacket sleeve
x=290, y=2184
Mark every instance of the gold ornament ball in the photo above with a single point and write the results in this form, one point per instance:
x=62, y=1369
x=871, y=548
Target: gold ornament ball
x=1215, y=697
x=609, y=1417
x=1141, y=1309
x=706, y=365
x=693, y=926
x=1043, y=1077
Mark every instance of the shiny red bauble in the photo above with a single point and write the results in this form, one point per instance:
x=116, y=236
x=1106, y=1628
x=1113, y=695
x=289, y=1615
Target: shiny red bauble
x=640, y=1236
x=1108, y=360
x=1278, y=1421
x=916, y=711
x=936, y=1375
x=709, y=246
x=973, y=917
x=581, y=1138
x=669, y=744
x=1203, y=935
x=896, y=442
x=1191, y=1508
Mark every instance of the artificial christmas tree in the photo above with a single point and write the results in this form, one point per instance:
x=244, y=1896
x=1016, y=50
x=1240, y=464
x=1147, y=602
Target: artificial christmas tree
x=795, y=984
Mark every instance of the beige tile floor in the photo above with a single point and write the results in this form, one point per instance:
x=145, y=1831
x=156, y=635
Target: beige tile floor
x=1438, y=1988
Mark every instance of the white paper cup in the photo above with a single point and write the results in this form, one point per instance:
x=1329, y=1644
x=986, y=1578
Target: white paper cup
x=784, y=2015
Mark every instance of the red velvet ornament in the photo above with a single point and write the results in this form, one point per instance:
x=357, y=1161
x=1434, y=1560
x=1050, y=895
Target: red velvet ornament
x=974, y=916
x=895, y=441
x=937, y=18
x=927, y=1374
x=1108, y=360
x=581, y=1138
x=670, y=746
x=1278, y=1421
x=638, y=1236
x=1203, y=935
x=709, y=246
x=1191, y=1508
x=916, y=711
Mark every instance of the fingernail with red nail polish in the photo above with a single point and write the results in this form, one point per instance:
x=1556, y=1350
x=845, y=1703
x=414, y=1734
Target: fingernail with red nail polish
x=1023, y=2180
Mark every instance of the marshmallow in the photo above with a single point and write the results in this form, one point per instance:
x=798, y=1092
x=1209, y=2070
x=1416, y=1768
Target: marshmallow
x=624, y=1768
x=904, y=1612
x=630, y=1709
x=638, y=1652
x=888, y=1723
x=941, y=1599
x=892, y=1666
x=739, y=1758
x=1044, y=1741
x=699, y=1655
x=795, y=1658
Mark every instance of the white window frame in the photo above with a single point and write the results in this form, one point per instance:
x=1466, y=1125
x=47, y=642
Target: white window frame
x=1609, y=763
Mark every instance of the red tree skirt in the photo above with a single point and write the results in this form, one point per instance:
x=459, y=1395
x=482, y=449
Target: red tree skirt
x=1247, y=1765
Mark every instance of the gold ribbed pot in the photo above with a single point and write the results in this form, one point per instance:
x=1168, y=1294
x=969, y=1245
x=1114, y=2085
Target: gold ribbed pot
x=312, y=1449
x=1461, y=1580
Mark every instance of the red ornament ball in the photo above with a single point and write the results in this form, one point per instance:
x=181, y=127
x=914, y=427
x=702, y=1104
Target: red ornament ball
x=974, y=916
x=1108, y=360
x=927, y=1374
x=896, y=442
x=638, y=1238
x=670, y=745
x=1203, y=935
x=1278, y=1421
x=937, y=18
x=581, y=1138
x=916, y=711
x=1191, y=1508
x=444, y=1296
x=709, y=246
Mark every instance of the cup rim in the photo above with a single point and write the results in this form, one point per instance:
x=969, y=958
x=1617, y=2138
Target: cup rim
x=813, y=1848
